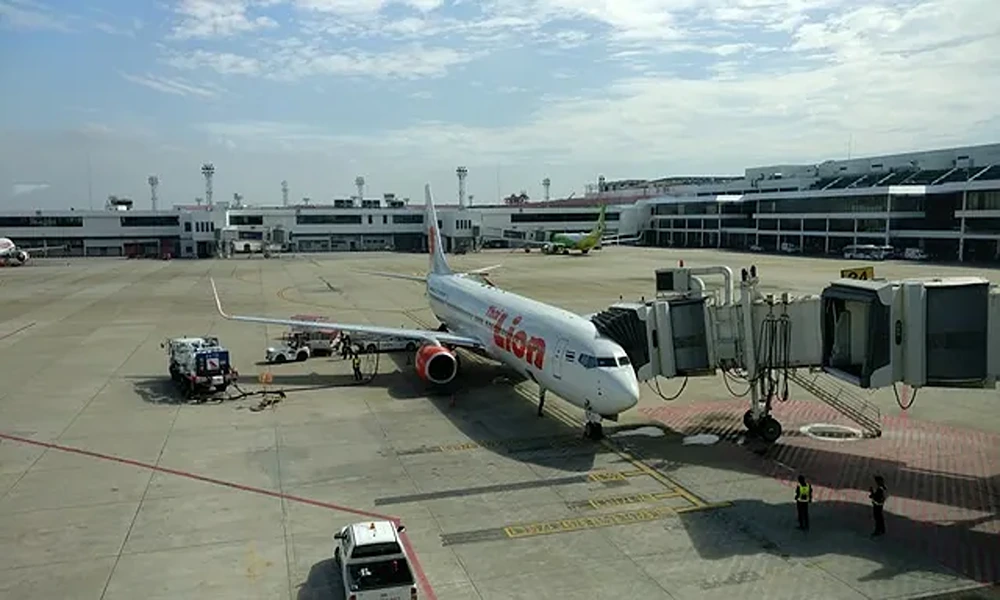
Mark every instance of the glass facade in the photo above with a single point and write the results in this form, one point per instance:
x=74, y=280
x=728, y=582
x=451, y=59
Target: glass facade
x=246, y=219
x=561, y=217
x=312, y=219
x=41, y=221
x=988, y=200
x=151, y=221
x=867, y=218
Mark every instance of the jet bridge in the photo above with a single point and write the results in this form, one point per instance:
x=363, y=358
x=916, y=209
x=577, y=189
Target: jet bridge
x=869, y=334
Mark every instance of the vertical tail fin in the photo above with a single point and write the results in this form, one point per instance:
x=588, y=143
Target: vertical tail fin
x=439, y=266
x=601, y=226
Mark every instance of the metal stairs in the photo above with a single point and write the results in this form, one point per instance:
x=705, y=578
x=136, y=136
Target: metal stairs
x=844, y=401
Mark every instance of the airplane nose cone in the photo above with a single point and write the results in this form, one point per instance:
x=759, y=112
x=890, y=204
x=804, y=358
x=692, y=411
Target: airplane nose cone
x=621, y=391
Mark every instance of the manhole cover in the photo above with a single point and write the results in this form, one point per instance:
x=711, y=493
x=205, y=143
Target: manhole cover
x=831, y=433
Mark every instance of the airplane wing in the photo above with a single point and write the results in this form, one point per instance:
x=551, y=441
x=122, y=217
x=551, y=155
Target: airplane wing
x=515, y=240
x=420, y=335
x=484, y=270
x=41, y=249
x=423, y=278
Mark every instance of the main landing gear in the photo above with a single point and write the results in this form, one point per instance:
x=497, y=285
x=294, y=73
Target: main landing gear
x=766, y=426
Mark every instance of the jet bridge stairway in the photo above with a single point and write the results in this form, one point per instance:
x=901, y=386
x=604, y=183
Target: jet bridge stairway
x=844, y=401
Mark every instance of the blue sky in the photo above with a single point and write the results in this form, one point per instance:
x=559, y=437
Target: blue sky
x=319, y=91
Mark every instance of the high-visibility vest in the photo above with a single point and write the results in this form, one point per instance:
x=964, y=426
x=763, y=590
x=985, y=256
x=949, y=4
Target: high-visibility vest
x=804, y=492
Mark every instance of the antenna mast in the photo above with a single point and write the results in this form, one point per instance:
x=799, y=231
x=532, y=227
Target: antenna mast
x=154, y=182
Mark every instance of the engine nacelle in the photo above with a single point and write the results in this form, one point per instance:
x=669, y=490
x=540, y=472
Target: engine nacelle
x=21, y=257
x=436, y=364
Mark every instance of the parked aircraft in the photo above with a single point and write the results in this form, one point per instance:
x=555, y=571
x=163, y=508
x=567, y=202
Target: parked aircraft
x=563, y=243
x=13, y=255
x=558, y=350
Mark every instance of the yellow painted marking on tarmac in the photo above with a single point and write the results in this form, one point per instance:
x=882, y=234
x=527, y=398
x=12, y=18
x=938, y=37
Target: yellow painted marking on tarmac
x=703, y=507
x=602, y=476
x=591, y=522
x=660, y=478
x=645, y=497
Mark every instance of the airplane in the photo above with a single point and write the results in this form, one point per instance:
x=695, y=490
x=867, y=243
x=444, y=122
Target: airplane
x=563, y=243
x=12, y=255
x=556, y=349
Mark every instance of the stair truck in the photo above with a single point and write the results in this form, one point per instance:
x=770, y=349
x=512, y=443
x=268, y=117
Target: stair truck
x=199, y=365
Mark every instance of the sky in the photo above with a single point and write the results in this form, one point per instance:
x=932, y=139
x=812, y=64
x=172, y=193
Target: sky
x=97, y=95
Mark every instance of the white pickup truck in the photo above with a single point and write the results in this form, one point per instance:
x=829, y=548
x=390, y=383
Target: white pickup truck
x=373, y=563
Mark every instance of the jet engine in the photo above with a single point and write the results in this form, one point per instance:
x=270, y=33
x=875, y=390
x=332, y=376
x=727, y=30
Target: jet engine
x=21, y=257
x=436, y=364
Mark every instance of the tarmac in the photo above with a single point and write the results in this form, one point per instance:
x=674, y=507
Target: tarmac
x=111, y=487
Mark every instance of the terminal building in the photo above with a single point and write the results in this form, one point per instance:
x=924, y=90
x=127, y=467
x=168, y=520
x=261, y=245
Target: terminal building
x=944, y=202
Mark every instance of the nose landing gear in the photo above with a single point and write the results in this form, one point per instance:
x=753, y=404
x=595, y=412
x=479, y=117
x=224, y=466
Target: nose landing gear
x=592, y=427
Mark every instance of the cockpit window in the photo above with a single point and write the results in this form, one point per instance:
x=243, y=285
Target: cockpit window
x=588, y=361
x=607, y=362
x=623, y=361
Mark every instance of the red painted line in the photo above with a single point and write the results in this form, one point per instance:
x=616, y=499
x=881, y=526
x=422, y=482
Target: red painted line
x=421, y=576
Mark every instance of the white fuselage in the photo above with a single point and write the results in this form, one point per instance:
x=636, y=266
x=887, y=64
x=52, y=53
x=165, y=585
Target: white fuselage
x=561, y=351
x=10, y=254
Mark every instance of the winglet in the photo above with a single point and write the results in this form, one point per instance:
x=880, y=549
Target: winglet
x=218, y=303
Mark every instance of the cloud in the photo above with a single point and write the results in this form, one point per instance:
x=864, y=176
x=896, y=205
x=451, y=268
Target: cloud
x=896, y=77
x=292, y=59
x=20, y=189
x=172, y=86
x=219, y=18
x=363, y=7
x=31, y=15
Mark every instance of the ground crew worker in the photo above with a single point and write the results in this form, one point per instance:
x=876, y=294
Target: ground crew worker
x=356, y=363
x=345, y=345
x=803, y=496
x=878, y=496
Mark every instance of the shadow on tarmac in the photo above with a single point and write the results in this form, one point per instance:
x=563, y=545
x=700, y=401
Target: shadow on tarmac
x=840, y=524
x=324, y=582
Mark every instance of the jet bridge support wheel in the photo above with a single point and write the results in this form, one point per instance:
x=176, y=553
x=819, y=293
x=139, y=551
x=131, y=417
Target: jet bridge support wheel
x=768, y=428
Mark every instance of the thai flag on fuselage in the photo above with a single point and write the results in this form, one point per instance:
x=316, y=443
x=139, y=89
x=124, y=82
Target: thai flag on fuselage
x=570, y=356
